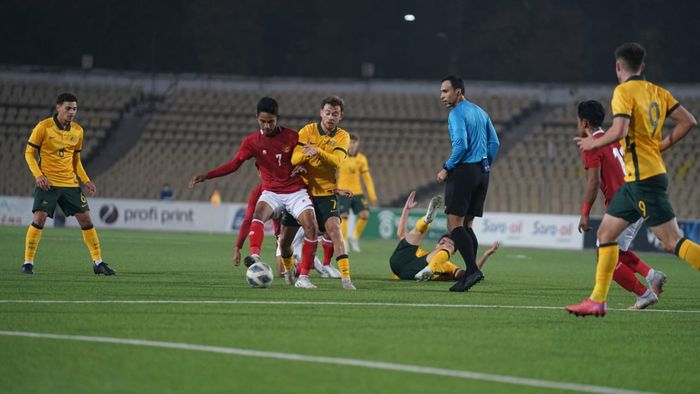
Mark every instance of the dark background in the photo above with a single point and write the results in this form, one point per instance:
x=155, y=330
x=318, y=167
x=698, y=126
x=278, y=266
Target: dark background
x=508, y=40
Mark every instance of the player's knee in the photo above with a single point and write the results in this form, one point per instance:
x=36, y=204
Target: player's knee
x=364, y=214
x=453, y=222
x=333, y=227
x=605, y=236
x=84, y=220
x=39, y=218
x=310, y=232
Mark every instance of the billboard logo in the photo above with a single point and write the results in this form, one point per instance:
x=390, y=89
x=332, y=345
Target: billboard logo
x=386, y=224
x=109, y=213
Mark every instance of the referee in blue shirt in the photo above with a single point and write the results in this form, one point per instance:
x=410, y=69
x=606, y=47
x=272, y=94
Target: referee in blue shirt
x=466, y=173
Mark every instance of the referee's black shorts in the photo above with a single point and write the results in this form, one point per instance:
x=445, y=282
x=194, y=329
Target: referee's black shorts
x=465, y=190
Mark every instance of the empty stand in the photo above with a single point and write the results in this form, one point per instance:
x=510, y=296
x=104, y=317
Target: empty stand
x=23, y=105
x=403, y=135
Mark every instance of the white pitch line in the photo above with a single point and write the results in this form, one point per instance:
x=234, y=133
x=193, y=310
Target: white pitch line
x=333, y=360
x=330, y=303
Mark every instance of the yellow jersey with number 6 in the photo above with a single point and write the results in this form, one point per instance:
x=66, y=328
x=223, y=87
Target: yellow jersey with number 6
x=57, y=147
x=646, y=106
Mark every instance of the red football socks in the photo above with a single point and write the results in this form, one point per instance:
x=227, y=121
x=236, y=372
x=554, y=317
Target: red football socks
x=624, y=276
x=308, y=252
x=630, y=259
x=327, y=250
x=257, y=233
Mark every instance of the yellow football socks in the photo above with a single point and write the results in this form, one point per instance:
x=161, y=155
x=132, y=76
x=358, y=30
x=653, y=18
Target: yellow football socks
x=343, y=266
x=422, y=226
x=288, y=263
x=608, y=255
x=689, y=252
x=439, y=262
x=360, y=227
x=31, y=242
x=93, y=243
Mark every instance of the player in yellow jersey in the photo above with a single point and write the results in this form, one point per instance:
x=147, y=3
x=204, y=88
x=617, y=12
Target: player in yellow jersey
x=58, y=141
x=321, y=149
x=410, y=262
x=352, y=172
x=639, y=109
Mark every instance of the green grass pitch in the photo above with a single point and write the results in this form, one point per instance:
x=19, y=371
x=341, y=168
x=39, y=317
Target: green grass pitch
x=638, y=351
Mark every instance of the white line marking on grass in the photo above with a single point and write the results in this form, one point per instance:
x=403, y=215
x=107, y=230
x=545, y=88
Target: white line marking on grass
x=330, y=303
x=332, y=360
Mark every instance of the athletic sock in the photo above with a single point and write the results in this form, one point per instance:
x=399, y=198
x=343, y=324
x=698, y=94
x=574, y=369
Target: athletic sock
x=475, y=241
x=92, y=242
x=630, y=259
x=689, y=252
x=344, y=228
x=624, y=277
x=360, y=224
x=650, y=275
x=422, y=226
x=608, y=255
x=343, y=266
x=256, y=236
x=437, y=263
x=31, y=242
x=327, y=245
x=288, y=263
x=308, y=252
x=466, y=248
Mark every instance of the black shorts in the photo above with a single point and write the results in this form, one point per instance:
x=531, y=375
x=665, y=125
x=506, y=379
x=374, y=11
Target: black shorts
x=404, y=263
x=465, y=190
x=357, y=203
x=325, y=207
x=70, y=199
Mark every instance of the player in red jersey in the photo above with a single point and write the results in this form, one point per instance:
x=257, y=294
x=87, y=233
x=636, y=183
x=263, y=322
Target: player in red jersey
x=605, y=168
x=272, y=148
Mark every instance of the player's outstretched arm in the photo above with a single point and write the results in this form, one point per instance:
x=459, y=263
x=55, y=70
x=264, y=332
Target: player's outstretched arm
x=403, y=221
x=685, y=122
x=488, y=254
x=196, y=179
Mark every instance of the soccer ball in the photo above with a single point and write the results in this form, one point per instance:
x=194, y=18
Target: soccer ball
x=259, y=275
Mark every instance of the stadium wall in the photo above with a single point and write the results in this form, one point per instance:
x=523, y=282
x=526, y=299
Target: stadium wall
x=512, y=229
x=645, y=241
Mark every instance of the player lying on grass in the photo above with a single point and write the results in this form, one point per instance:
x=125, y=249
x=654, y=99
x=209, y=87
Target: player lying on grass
x=409, y=262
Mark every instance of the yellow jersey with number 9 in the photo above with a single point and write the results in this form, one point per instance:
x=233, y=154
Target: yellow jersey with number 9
x=646, y=106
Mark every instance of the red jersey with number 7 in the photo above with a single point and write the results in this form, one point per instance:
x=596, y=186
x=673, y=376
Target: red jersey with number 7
x=611, y=163
x=273, y=156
